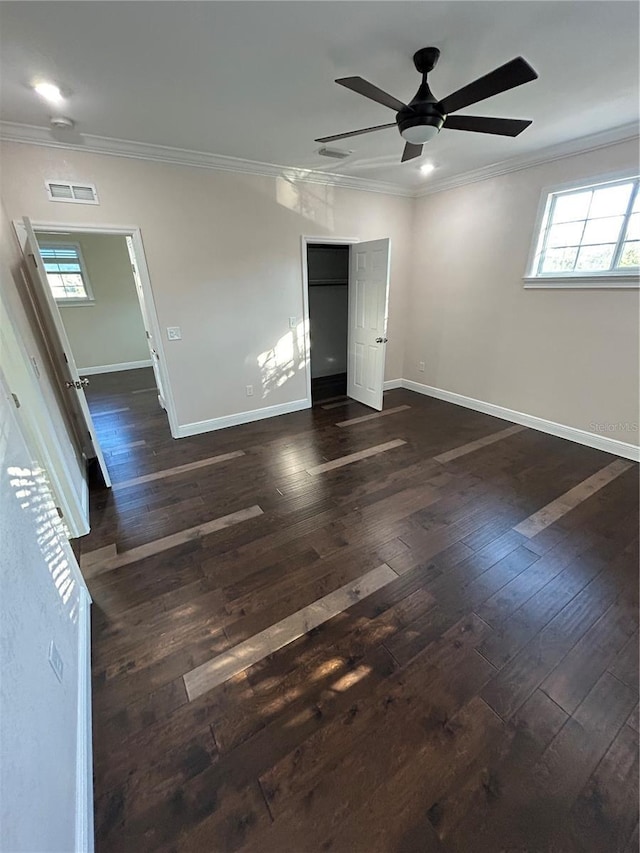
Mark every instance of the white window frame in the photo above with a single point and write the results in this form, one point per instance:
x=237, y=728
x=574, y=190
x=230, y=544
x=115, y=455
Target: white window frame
x=608, y=279
x=74, y=302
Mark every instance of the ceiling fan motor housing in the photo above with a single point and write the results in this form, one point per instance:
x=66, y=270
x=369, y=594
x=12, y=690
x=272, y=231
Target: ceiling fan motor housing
x=422, y=111
x=419, y=115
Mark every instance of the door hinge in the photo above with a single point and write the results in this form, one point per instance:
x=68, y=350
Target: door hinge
x=148, y=335
x=65, y=357
x=16, y=400
x=59, y=511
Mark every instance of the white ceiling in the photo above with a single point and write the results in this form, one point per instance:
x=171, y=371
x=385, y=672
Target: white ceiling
x=254, y=80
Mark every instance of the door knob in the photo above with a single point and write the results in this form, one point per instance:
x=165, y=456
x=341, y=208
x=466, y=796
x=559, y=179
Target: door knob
x=78, y=383
x=381, y=340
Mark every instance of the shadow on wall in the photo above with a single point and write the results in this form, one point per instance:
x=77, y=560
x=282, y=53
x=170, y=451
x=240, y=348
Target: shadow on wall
x=312, y=201
x=33, y=492
x=281, y=363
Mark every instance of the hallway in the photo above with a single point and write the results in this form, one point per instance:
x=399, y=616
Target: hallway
x=360, y=632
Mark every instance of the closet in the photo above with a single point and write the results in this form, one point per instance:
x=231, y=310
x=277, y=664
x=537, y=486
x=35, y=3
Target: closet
x=328, y=278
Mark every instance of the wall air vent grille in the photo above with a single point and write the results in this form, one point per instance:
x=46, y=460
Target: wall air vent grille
x=72, y=192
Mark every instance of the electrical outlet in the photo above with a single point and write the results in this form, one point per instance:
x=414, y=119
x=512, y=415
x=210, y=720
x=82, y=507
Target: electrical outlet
x=421, y=366
x=249, y=390
x=56, y=661
x=293, y=322
x=174, y=333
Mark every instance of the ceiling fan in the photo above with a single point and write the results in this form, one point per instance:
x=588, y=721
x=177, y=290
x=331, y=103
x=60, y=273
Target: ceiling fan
x=424, y=116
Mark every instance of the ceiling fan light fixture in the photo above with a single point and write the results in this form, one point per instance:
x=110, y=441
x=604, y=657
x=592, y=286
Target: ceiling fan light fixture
x=419, y=134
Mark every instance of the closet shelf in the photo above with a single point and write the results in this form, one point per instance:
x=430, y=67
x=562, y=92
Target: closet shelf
x=313, y=281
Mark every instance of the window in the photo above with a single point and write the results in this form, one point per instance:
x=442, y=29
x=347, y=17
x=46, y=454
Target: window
x=592, y=232
x=66, y=274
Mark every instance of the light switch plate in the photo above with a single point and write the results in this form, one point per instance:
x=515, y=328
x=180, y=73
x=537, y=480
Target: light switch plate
x=174, y=333
x=293, y=322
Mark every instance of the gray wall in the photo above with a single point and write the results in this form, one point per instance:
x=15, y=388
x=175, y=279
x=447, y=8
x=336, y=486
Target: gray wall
x=39, y=603
x=235, y=279
x=568, y=356
x=110, y=331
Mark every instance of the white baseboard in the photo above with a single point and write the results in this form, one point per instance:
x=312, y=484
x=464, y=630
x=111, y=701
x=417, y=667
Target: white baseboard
x=115, y=368
x=391, y=384
x=580, y=436
x=242, y=418
x=84, y=753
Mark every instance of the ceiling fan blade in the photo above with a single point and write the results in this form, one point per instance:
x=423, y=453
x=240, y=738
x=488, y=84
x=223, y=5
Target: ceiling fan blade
x=363, y=87
x=411, y=151
x=355, y=132
x=508, y=76
x=482, y=124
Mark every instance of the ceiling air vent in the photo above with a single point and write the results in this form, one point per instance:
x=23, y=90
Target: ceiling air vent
x=335, y=153
x=73, y=193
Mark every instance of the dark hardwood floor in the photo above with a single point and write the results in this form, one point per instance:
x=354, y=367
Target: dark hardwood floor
x=485, y=699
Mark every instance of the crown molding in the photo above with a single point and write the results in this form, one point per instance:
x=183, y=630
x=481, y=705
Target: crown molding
x=33, y=135
x=581, y=145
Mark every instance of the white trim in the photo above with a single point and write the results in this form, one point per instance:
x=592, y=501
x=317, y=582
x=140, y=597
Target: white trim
x=580, y=436
x=115, y=368
x=392, y=384
x=305, y=240
x=32, y=135
x=84, y=498
x=569, y=282
x=213, y=424
x=84, y=755
x=581, y=145
x=136, y=235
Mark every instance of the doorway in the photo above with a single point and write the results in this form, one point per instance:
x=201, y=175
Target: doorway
x=59, y=273
x=94, y=280
x=346, y=297
x=328, y=282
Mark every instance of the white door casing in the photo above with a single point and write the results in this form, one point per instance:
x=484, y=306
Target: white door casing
x=65, y=365
x=368, y=303
x=148, y=328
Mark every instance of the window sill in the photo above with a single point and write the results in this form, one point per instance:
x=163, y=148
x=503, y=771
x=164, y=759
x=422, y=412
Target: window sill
x=75, y=303
x=561, y=282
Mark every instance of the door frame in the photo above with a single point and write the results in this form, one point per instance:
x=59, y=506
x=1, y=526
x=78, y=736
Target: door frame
x=135, y=233
x=305, y=241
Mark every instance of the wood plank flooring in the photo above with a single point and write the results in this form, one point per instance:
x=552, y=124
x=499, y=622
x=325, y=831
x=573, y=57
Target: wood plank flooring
x=458, y=666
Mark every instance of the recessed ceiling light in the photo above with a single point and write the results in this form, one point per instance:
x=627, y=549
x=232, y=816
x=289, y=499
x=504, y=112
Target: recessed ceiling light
x=427, y=168
x=49, y=91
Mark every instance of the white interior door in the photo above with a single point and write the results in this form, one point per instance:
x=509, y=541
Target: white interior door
x=66, y=370
x=368, y=299
x=153, y=351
